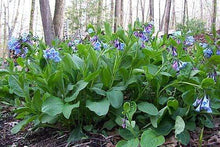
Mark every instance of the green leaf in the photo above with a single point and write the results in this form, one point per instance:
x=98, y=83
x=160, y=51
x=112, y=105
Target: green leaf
x=108, y=29
x=98, y=91
x=21, y=124
x=67, y=109
x=150, y=139
x=188, y=96
x=36, y=101
x=52, y=106
x=215, y=59
x=3, y=72
x=173, y=103
x=148, y=108
x=207, y=83
x=179, y=125
x=80, y=85
x=100, y=108
x=76, y=135
x=92, y=76
x=165, y=127
x=129, y=143
x=16, y=86
x=115, y=98
x=166, y=74
x=184, y=137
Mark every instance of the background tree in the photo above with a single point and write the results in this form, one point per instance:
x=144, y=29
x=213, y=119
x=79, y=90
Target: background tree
x=31, y=16
x=173, y=15
x=214, y=13
x=151, y=5
x=58, y=18
x=167, y=17
x=185, y=12
x=47, y=21
x=99, y=16
x=143, y=9
x=122, y=13
x=117, y=14
x=130, y=12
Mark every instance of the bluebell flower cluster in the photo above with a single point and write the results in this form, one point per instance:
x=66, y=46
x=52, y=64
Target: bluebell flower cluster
x=203, y=104
x=144, y=35
x=90, y=30
x=119, y=45
x=18, y=45
x=52, y=54
x=213, y=75
x=218, y=52
x=73, y=44
x=178, y=65
x=97, y=44
x=207, y=52
x=189, y=41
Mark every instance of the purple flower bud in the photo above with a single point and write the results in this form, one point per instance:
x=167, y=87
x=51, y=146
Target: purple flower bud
x=174, y=53
x=175, y=66
x=136, y=34
x=197, y=102
x=124, y=123
x=218, y=52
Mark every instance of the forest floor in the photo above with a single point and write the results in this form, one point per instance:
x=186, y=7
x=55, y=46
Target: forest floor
x=49, y=137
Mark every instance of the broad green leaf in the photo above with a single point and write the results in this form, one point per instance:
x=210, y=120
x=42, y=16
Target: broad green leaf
x=179, y=125
x=129, y=109
x=3, y=72
x=21, y=124
x=148, y=108
x=16, y=86
x=173, y=103
x=189, y=97
x=108, y=29
x=52, y=106
x=36, y=101
x=45, y=118
x=92, y=76
x=67, y=109
x=184, y=137
x=207, y=82
x=129, y=143
x=115, y=98
x=100, y=107
x=99, y=91
x=166, y=74
x=76, y=135
x=80, y=85
x=150, y=139
x=165, y=127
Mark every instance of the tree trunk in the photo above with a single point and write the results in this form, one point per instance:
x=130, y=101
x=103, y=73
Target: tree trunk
x=201, y=9
x=130, y=12
x=162, y=20
x=159, y=14
x=32, y=16
x=99, y=16
x=173, y=15
x=185, y=12
x=11, y=30
x=214, y=3
x=167, y=17
x=142, y=10
x=5, y=32
x=137, y=10
x=59, y=18
x=112, y=12
x=122, y=13
x=47, y=21
x=151, y=4
x=117, y=15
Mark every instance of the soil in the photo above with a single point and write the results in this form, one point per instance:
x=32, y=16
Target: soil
x=49, y=137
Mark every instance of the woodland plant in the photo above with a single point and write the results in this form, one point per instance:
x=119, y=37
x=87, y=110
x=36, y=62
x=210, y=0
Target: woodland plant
x=146, y=87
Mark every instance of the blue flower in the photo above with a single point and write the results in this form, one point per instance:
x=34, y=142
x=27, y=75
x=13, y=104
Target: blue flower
x=52, y=54
x=90, y=30
x=189, y=41
x=207, y=52
x=182, y=64
x=218, y=52
x=104, y=45
x=175, y=66
x=203, y=45
x=174, y=53
x=97, y=45
x=124, y=123
x=203, y=104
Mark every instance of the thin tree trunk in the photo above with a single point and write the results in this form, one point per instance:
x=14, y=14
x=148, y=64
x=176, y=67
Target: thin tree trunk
x=122, y=13
x=117, y=15
x=159, y=14
x=201, y=9
x=32, y=16
x=5, y=32
x=99, y=16
x=185, y=12
x=130, y=12
x=142, y=10
x=59, y=18
x=137, y=17
x=214, y=3
x=173, y=15
x=47, y=21
x=162, y=20
x=151, y=4
x=15, y=20
x=112, y=12
x=167, y=17
x=1, y=27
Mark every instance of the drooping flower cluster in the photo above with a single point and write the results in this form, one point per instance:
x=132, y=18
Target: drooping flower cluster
x=203, y=104
x=207, y=52
x=178, y=65
x=144, y=35
x=119, y=45
x=18, y=46
x=97, y=44
x=73, y=44
x=189, y=41
x=213, y=75
x=52, y=54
